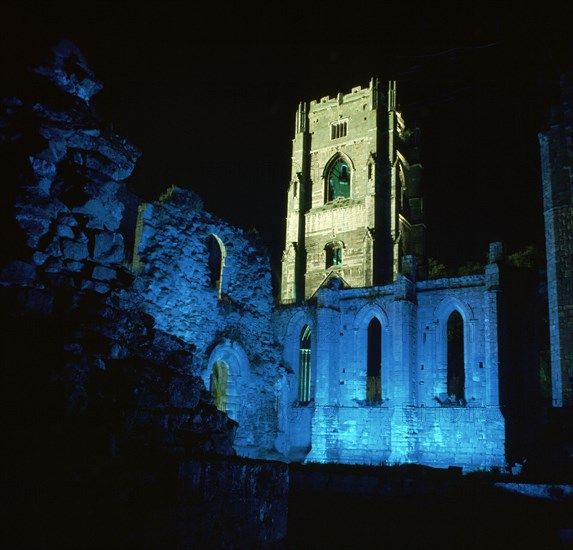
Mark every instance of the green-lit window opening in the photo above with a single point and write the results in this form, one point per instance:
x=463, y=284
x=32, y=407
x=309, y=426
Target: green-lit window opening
x=339, y=181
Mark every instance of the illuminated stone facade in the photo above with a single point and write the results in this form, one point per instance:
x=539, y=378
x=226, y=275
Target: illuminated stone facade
x=369, y=364
x=354, y=200
x=415, y=417
x=386, y=379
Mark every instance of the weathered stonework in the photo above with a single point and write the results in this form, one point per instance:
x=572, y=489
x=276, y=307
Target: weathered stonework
x=556, y=146
x=372, y=213
x=110, y=417
x=221, y=306
x=381, y=389
x=414, y=420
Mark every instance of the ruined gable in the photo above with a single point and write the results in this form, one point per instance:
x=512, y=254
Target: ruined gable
x=209, y=284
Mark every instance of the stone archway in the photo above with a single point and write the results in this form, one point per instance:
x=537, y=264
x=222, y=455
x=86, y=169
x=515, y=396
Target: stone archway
x=226, y=373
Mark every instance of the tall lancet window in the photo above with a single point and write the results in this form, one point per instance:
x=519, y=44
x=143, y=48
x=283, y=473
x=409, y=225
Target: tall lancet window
x=456, y=374
x=217, y=255
x=304, y=366
x=374, y=367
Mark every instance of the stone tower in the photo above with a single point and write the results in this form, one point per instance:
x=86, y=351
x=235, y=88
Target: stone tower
x=354, y=200
x=556, y=145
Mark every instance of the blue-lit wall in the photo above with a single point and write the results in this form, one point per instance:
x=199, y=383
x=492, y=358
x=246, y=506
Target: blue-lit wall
x=236, y=322
x=414, y=422
x=228, y=322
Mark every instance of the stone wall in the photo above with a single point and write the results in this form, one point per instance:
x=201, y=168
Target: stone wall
x=225, y=318
x=113, y=435
x=415, y=420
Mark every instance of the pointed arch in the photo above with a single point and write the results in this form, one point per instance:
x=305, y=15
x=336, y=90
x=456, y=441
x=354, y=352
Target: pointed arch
x=299, y=343
x=447, y=305
x=337, y=177
x=226, y=372
x=373, y=341
x=454, y=318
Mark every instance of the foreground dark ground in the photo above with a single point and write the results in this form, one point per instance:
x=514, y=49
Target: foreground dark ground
x=415, y=507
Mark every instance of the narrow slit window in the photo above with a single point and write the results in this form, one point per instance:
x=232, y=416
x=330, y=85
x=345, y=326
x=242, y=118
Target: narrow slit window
x=304, y=366
x=217, y=255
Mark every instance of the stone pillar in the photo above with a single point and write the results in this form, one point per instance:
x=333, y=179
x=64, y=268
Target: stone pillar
x=492, y=324
x=557, y=181
x=325, y=419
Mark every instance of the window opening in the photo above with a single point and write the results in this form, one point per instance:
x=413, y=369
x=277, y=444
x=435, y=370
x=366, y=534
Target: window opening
x=216, y=262
x=339, y=180
x=333, y=254
x=304, y=366
x=338, y=129
x=374, y=367
x=220, y=384
x=455, y=345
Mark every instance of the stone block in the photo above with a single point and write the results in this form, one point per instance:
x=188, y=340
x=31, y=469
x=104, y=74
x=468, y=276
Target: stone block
x=73, y=250
x=108, y=247
x=102, y=273
x=65, y=231
x=72, y=265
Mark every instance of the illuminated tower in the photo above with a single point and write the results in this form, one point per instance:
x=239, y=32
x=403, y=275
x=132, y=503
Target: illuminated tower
x=354, y=199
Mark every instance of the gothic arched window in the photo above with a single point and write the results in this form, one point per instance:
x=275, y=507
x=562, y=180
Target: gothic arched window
x=455, y=350
x=338, y=180
x=374, y=366
x=304, y=365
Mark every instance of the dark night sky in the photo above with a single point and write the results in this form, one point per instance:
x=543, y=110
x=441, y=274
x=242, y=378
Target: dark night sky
x=209, y=95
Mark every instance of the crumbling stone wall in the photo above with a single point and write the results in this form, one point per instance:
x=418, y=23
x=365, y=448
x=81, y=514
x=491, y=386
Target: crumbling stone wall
x=226, y=316
x=107, y=417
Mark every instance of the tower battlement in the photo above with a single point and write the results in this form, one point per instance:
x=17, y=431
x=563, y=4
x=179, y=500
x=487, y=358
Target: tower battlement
x=354, y=201
x=357, y=93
